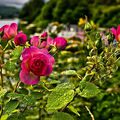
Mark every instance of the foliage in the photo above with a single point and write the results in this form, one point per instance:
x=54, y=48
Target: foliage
x=83, y=84
x=69, y=12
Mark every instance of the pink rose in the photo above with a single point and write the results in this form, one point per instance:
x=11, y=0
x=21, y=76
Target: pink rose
x=60, y=42
x=35, y=41
x=9, y=31
x=20, y=39
x=35, y=63
x=116, y=33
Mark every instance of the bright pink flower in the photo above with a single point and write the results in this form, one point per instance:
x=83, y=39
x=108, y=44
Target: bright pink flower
x=9, y=31
x=20, y=38
x=35, y=63
x=60, y=42
x=44, y=35
x=116, y=32
x=35, y=41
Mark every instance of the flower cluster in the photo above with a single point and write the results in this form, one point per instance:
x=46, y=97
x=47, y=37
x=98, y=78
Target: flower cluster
x=11, y=31
x=45, y=41
x=36, y=59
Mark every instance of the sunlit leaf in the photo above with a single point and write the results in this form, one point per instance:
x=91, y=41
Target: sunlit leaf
x=88, y=89
x=60, y=96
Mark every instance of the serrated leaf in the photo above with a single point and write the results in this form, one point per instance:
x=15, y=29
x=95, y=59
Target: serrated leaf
x=10, y=106
x=88, y=89
x=62, y=116
x=71, y=108
x=69, y=72
x=60, y=96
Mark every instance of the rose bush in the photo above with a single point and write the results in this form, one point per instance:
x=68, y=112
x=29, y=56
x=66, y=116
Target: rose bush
x=77, y=83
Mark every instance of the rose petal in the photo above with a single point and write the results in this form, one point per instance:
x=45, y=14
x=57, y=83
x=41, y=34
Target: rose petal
x=113, y=30
x=12, y=31
x=28, y=77
x=35, y=41
x=118, y=30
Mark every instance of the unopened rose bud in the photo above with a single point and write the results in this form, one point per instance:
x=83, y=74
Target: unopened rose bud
x=60, y=42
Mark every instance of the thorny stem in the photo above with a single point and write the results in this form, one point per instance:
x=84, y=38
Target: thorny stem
x=90, y=113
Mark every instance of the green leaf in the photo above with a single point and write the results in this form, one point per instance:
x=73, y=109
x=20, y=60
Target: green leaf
x=4, y=117
x=16, y=95
x=88, y=89
x=16, y=52
x=2, y=92
x=69, y=72
x=60, y=96
x=62, y=116
x=11, y=106
x=10, y=65
x=36, y=95
x=71, y=108
x=29, y=100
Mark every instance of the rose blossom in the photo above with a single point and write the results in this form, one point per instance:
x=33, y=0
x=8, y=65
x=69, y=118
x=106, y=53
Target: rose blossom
x=60, y=42
x=116, y=32
x=20, y=39
x=35, y=41
x=9, y=31
x=35, y=63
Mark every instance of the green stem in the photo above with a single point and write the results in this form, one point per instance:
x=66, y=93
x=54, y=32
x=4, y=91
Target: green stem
x=92, y=116
x=17, y=85
x=1, y=75
x=2, y=108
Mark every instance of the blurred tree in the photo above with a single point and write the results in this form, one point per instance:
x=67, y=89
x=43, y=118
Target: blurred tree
x=31, y=10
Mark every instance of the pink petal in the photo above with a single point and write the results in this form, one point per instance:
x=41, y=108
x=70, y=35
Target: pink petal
x=12, y=31
x=25, y=63
x=35, y=41
x=47, y=70
x=50, y=41
x=43, y=44
x=118, y=30
x=44, y=35
x=28, y=77
x=114, y=31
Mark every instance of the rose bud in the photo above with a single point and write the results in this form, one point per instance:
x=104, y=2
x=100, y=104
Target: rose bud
x=20, y=39
x=60, y=42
